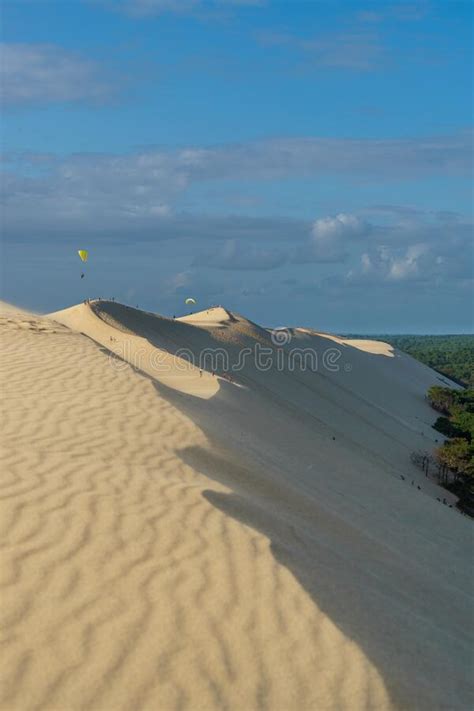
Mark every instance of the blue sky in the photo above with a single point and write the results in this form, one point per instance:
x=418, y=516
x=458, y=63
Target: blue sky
x=304, y=163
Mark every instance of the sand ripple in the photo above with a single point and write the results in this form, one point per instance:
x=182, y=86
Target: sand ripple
x=124, y=585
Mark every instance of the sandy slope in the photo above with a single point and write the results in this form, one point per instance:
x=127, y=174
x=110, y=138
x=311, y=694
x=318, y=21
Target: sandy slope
x=173, y=539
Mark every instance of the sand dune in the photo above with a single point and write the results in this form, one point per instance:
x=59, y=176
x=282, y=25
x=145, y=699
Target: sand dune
x=181, y=532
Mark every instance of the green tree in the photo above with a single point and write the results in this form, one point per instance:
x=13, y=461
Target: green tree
x=458, y=455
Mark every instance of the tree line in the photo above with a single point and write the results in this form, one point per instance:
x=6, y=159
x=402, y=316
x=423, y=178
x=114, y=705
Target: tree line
x=455, y=457
x=450, y=355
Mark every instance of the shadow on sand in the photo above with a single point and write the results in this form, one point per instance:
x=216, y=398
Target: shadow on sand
x=395, y=615
x=364, y=587
x=365, y=590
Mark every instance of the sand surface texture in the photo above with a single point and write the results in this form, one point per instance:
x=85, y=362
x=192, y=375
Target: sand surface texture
x=243, y=540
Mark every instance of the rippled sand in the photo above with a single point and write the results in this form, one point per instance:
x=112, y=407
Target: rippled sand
x=173, y=540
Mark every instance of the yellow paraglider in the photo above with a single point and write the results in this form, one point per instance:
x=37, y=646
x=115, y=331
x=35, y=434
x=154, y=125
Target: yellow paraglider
x=83, y=253
x=190, y=300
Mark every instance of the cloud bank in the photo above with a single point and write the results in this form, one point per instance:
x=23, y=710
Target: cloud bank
x=133, y=202
x=44, y=73
x=136, y=188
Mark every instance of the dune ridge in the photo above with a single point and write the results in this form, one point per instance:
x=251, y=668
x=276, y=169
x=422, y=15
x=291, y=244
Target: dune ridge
x=178, y=539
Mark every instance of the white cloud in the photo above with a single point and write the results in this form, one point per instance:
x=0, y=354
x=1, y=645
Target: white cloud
x=282, y=157
x=235, y=255
x=386, y=264
x=327, y=230
x=145, y=8
x=407, y=266
x=331, y=238
x=358, y=50
x=360, y=46
x=44, y=73
x=144, y=193
x=105, y=185
x=401, y=11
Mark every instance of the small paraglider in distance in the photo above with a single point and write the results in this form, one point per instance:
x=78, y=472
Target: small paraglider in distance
x=83, y=254
x=190, y=302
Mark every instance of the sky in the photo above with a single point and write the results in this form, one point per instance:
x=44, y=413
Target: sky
x=301, y=163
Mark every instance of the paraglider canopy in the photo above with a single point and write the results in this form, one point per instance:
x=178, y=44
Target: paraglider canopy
x=83, y=253
x=190, y=300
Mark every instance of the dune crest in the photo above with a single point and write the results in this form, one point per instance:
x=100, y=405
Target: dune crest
x=179, y=535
